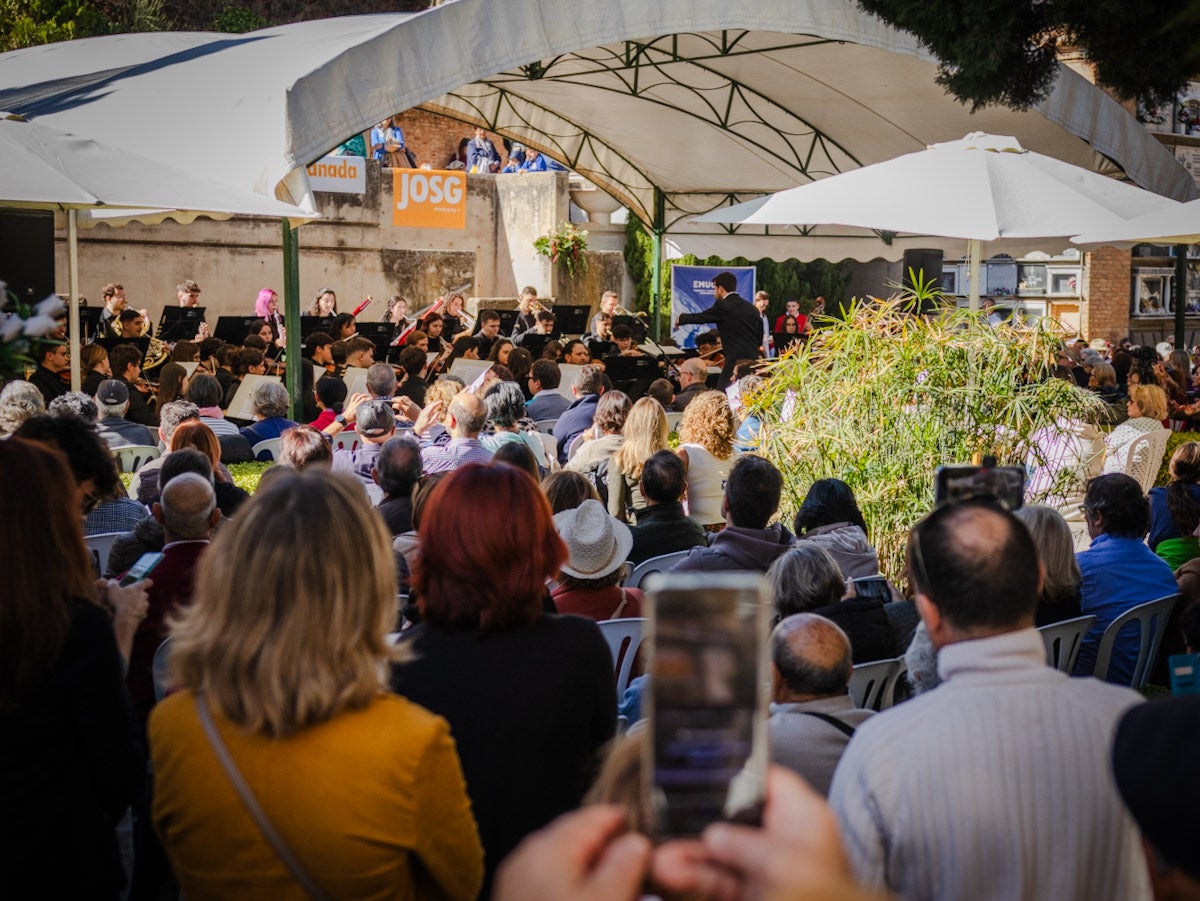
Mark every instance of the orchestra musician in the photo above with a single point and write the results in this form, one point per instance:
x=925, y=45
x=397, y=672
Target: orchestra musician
x=266, y=307
x=457, y=319
x=397, y=313
x=528, y=306
x=739, y=323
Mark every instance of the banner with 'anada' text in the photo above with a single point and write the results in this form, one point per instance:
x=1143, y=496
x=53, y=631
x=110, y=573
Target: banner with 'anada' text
x=429, y=198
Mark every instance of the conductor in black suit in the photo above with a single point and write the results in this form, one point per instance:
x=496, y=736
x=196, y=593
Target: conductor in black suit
x=738, y=322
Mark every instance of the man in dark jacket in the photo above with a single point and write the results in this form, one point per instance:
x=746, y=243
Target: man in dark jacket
x=662, y=526
x=739, y=323
x=577, y=418
x=752, y=494
x=54, y=359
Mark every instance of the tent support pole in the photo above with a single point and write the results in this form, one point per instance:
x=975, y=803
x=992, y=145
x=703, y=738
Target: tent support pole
x=1181, y=274
x=76, y=339
x=656, y=230
x=291, y=316
x=974, y=263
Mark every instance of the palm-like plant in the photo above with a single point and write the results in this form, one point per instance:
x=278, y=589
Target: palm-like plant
x=882, y=398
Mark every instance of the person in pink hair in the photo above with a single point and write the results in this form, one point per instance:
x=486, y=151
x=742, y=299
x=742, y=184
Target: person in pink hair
x=266, y=307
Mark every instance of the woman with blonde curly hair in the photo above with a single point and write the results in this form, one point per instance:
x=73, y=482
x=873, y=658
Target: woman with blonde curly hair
x=706, y=447
x=645, y=434
x=287, y=685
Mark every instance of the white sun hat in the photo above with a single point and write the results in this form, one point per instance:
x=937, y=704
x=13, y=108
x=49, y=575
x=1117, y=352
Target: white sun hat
x=597, y=544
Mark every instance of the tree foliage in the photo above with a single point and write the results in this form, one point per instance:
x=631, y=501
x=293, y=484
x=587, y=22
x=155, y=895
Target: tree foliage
x=1006, y=52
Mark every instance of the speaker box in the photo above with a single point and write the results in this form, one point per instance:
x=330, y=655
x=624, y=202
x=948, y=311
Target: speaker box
x=928, y=262
x=27, y=253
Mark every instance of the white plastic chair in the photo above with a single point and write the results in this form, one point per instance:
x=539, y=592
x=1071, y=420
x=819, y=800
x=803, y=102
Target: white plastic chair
x=270, y=446
x=576, y=443
x=1063, y=641
x=546, y=426
x=132, y=457
x=673, y=421
x=873, y=685
x=347, y=439
x=624, y=637
x=1145, y=457
x=158, y=669
x=101, y=546
x=1151, y=618
x=659, y=564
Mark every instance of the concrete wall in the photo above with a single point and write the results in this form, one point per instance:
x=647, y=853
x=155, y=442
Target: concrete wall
x=355, y=250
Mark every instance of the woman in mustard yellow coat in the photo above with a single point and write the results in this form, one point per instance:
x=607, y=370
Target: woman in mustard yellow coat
x=284, y=650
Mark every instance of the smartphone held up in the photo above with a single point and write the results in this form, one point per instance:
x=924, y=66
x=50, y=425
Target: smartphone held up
x=707, y=707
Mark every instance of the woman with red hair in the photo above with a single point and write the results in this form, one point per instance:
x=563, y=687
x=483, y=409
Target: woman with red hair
x=529, y=695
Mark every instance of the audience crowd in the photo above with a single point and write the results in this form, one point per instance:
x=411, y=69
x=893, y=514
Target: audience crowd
x=382, y=674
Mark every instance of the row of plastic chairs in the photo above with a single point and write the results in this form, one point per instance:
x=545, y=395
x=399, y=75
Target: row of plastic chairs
x=873, y=685
x=546, y=426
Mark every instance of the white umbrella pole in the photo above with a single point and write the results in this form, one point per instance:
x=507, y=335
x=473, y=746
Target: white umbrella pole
x=76, y=339
x=973, y=258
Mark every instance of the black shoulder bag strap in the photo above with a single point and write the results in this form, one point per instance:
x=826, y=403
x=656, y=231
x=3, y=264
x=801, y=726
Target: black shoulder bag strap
x=845, y=728
x=260, y=817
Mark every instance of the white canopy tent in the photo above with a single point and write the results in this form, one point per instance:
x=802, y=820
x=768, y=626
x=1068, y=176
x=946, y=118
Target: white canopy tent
x=981, y=188
x=51, y=170
x=675, y=107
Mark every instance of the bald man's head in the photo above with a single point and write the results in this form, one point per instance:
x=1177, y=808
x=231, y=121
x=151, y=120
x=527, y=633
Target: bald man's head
x=187, y=508
x=469, y=413
x=811, y=657
x=977, y=564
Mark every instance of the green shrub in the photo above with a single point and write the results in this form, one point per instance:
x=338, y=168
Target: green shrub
x=882, y=399
x=246, y=475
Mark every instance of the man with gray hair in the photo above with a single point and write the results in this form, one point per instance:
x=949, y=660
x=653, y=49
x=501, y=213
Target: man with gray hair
x=381, y=381
x=464, y=420
x=375, y=424
x=112, y=402
x=812, y=713
x=75, y=403
x=693, y=374
x=396, y=471
x=269, y=403
x=145, y=481
x=188, y=514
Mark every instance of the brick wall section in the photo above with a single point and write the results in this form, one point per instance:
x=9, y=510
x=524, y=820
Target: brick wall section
x=1105, y=310
x=433, y=138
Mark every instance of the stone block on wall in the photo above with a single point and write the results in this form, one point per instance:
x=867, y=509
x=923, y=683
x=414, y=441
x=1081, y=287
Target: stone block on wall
x=428, y=274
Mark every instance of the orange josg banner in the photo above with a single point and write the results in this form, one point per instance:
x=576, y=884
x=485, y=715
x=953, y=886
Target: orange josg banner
x=429, y=198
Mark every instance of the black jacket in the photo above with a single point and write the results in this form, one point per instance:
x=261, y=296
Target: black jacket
x=664, y=529
x=740, y=325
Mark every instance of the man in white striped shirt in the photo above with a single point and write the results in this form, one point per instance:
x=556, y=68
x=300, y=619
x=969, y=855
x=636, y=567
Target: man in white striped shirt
x=996, y=784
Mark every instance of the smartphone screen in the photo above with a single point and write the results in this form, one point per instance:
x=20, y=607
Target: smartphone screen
x=1005, y=484
x=144, y=566
x=707, y=710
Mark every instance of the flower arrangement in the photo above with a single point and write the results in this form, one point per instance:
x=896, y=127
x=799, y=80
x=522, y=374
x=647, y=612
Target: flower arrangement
x=566, y=244
x=20, y=326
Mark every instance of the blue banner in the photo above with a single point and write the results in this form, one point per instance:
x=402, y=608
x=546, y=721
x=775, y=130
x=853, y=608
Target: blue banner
x=692, y=292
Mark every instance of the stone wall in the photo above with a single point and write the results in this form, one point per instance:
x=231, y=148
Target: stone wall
x=354, y=249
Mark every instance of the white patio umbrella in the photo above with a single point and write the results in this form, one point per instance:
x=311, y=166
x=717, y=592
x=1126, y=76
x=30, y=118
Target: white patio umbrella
x=1176, y=225
x=49, y=169
x=982, y=188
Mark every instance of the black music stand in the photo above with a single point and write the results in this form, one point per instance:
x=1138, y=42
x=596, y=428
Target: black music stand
x=310, y=324
x=180, y=323
x=636, y=325
x=508, y=318
x=534, y=343
x=380, y=334
x=142, y=344
x=781, y=341
x=572, y=319
x=89, y=323
x=234, y=329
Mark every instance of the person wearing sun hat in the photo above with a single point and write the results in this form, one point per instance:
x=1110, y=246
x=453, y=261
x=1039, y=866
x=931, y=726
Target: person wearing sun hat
x=597, y=547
